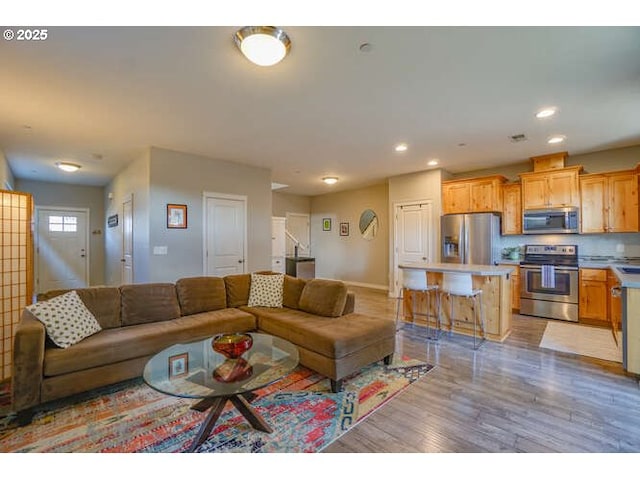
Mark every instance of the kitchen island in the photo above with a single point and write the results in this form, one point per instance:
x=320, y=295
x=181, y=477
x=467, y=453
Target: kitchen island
x=630, y=292
x=493, y=280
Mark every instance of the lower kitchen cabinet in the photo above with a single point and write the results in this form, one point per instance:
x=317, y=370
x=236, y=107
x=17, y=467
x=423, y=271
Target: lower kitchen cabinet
x=594, y=294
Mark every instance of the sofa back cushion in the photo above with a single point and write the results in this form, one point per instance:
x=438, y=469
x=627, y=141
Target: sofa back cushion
x=323, y=297
x=102, y=302
x=238, y=287
x=292, y=290
x=201, y=294
x=148, y=302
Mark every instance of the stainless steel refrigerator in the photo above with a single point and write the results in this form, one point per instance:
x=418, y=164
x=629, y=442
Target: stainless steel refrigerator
x=471, y=238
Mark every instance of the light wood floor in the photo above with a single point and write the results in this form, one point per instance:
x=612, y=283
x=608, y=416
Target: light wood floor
x=509, y=397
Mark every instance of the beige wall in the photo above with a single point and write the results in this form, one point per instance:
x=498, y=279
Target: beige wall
x=603, y=161
x=133, y=182
x=419, y=186
x=285, y=202
x=49, y=194
x=351, y=258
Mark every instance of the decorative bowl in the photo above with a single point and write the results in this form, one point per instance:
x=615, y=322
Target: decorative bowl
x=233, y=370
x=232, y=345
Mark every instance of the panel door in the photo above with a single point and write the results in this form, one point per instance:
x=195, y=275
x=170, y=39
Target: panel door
x=225, y=236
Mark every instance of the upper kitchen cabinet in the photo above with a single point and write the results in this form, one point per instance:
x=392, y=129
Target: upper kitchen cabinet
x=512, y=209
x=552, y=188
x=473, y=195
x=609, y=202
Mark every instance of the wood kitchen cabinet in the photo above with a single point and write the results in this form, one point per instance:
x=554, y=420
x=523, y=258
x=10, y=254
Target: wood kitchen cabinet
x=512, y=209
x=609, y=202
x=473, y=195
x=515, y=287
x=593, y=294
x=549, y=189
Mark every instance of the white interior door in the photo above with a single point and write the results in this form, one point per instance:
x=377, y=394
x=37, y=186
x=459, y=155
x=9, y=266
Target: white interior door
x=413, y=236
x=225, y=235
x=299, y=226
x=127, y=242
x=62, y=249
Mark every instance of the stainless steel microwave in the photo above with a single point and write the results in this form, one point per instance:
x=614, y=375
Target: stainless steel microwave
x=551, y=220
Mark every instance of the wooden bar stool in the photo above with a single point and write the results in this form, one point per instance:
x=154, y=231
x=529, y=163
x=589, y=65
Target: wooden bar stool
x=461, y=285
x=414, y=282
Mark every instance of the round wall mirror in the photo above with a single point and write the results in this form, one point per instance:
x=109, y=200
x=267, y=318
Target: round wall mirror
x=368, y=224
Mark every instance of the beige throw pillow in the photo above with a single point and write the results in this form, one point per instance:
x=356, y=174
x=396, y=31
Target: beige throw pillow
x=66, y=319
x=266, y=290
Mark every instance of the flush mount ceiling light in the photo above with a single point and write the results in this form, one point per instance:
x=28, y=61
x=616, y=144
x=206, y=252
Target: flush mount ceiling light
x=556, y=139
x=401, y=147
x=68, y=167
x=433, y=163
x=264, y=46
x=546, y=112
x=330, y=180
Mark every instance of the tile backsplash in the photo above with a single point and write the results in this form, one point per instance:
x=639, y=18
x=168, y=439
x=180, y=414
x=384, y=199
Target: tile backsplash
x=609, y=244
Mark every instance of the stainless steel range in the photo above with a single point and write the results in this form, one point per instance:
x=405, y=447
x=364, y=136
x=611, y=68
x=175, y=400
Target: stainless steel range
x=549, y=282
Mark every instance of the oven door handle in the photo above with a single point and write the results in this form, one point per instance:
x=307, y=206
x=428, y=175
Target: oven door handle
x=557, y=269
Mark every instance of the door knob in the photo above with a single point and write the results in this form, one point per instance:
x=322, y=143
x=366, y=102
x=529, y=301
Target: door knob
x=240, y=261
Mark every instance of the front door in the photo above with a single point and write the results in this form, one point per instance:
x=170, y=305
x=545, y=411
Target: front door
x=412, y=236
x=225, y=235
x=62, y=251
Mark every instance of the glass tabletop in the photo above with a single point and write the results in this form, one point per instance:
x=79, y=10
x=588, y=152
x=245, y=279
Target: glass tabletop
x=196, y=370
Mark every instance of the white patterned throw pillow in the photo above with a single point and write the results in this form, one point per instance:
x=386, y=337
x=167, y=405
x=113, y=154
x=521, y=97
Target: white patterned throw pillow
x=66, y=319
x=266, y=290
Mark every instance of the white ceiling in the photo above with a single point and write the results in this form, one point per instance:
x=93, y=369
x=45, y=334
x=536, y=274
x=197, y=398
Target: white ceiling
x=327, y=109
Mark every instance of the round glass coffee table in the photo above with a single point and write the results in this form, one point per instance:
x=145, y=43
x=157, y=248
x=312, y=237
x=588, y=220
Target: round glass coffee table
x=196, y=370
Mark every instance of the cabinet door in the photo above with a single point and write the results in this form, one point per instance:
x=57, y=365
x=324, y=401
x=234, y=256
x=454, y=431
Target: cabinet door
x=563, y=189
x=623, y=203
x=534, y=192
x=593, y=199
x=484, y=195
x=593, y=294
x=456, y=198
x=512, y=210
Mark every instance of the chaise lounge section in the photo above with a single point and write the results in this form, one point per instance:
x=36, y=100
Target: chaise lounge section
x=139, y=320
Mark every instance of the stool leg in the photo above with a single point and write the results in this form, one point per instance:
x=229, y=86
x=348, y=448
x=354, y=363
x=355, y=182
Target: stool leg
x=475, y=321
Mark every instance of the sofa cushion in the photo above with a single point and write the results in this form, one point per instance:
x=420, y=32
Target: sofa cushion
x=266, y=290
x=330, y=337
x=66, y=319
x=237, y=287
x=120, y=344
x=148, y=302
x=103, y=302
x=292, y=289
x=323, y=297
x=201, y=294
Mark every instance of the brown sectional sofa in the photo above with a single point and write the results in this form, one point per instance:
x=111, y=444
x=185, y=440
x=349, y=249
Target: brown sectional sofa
x=140, y=320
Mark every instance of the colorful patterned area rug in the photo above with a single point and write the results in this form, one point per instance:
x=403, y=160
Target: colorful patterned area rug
x=132, y=417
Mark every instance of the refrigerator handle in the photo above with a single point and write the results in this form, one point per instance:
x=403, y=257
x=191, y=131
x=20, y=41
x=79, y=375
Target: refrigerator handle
x=464, y=257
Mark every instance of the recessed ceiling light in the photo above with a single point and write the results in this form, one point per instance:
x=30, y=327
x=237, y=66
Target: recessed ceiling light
x=433, y=163
x=330, y=180
x=68, y=167
x=401, y=147
x=365, y=47
x=546, y=112
x=264, y=46
x=556, y=139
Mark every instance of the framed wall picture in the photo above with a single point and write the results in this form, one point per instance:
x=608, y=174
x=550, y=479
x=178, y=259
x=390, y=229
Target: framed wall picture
x=178, y=365
x=344, y=229
x=176, y=215
x=326, y=224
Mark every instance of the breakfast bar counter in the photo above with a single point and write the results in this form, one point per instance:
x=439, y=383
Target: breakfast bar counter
x=493, y=280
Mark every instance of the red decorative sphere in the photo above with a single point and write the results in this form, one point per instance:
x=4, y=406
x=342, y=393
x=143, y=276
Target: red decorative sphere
x=232, y=345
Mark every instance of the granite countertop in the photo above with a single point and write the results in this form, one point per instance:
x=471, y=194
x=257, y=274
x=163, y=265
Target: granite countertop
x=482, y=270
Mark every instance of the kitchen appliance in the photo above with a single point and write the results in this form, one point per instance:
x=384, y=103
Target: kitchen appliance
x=551, y=220
x=549, y=282
x=471, y=238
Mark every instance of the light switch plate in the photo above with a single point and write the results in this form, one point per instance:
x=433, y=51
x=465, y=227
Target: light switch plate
x=162, y=250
